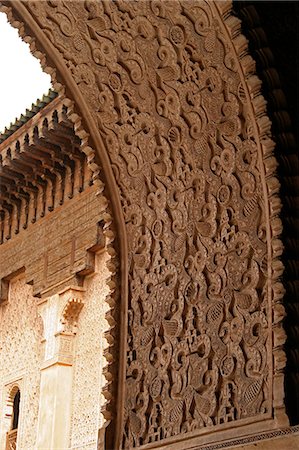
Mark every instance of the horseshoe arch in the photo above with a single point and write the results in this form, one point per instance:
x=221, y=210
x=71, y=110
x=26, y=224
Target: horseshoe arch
x=168, y=97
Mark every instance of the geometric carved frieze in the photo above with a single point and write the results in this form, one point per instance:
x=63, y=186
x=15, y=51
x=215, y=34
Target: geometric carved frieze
x=171, y=90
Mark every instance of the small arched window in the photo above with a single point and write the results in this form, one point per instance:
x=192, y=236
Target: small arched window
x=14, y=406
x=16, y=410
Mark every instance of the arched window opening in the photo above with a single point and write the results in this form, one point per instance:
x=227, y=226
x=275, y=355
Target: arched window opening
x=13, y=413
x=16, y=410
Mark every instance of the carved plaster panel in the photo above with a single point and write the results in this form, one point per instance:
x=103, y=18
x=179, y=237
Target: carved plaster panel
x=170, y=91
x=70, y=314
x=20, y=357
x=89, y=360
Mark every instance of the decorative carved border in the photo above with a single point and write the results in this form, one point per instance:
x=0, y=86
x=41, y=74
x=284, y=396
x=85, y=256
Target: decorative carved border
x=287, y=156
x=271, y=187
x=251, y=439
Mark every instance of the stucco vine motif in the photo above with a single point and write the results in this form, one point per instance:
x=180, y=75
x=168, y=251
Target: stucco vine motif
x=165, y=91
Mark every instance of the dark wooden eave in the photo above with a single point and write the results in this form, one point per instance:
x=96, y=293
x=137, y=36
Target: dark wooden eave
x=42, y=155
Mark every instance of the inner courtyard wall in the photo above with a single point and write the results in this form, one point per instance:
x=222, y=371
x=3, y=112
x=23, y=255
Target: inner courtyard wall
x=88, y=360
x=22, y=353
x=20, y=357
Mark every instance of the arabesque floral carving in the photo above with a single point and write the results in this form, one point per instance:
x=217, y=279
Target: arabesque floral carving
x=171, y=89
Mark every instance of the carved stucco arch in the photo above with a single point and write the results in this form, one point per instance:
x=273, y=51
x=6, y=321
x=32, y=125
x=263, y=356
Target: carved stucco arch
x=59, y=40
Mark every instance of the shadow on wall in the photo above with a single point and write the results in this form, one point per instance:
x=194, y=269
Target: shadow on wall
x=272, y=31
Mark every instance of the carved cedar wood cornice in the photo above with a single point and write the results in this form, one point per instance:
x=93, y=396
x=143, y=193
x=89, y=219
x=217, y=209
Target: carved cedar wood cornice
x=41, y=165
x=171, y=90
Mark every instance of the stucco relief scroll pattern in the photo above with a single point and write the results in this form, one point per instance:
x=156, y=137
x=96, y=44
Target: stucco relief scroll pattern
x=20, y=353
x=183, y=131
x=89, y=362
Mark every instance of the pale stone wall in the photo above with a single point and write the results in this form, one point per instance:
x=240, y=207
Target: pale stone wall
x=26, y=342
x=20, y=336
x=88, y=360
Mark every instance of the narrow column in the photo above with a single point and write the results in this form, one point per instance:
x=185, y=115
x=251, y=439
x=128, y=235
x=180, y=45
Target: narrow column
x=60, y=314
